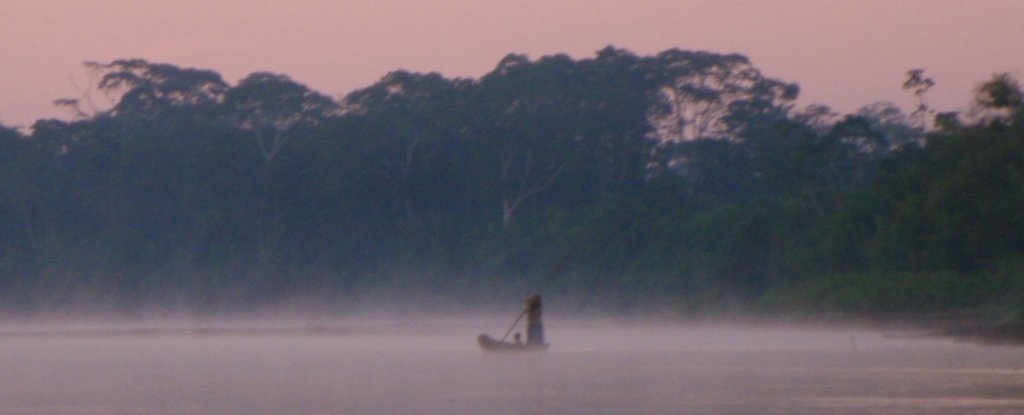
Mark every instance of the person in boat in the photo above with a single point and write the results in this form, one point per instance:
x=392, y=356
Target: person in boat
x=534, y=327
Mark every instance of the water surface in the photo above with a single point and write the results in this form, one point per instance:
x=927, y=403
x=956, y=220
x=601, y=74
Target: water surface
x=435, y=368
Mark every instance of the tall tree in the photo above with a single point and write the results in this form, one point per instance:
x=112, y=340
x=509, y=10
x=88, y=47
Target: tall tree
x=275, y=109
x=530, y=127
x=144, y=89
x=701, y=90
x=410, y=119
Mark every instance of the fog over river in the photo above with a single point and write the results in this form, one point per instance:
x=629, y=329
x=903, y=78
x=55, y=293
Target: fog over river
x=396, y=366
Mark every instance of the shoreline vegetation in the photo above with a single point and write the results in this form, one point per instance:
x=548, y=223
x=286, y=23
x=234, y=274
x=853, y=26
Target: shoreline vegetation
x=687, y=184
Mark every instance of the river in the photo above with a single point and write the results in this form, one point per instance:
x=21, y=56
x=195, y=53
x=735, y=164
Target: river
x=401, y=367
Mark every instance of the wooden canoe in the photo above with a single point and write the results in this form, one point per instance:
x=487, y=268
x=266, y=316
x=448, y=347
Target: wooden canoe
x=491, y=344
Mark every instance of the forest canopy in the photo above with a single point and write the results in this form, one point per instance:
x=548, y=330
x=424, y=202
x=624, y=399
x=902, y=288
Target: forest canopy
x=684, y=181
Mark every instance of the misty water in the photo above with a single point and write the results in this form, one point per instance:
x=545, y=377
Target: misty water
x=396, y=366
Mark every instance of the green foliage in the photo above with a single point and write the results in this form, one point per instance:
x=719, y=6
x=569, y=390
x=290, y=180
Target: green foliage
x=913, y=294
x=682, y=181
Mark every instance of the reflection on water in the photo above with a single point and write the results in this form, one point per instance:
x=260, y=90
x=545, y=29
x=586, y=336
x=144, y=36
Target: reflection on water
x=387, y=368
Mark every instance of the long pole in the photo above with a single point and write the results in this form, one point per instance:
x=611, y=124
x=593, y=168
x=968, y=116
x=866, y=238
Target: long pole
x=557, y=269
x=514, y=325
x=547, y=280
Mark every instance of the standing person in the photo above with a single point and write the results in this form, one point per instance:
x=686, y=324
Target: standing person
x=534, y=327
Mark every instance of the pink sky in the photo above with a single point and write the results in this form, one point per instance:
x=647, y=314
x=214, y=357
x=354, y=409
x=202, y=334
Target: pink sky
x=843, y=53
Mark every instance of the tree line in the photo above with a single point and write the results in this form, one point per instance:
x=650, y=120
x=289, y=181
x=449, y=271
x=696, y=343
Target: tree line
x=687, y=181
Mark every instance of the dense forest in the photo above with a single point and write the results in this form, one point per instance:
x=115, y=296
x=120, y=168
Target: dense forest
x=686, y=182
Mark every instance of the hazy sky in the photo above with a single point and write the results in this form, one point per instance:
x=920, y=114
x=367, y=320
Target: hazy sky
x=843, y=53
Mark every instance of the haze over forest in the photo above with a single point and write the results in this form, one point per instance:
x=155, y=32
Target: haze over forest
x=686, y=182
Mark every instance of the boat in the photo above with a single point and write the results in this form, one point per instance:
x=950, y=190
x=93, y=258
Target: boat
x=491, y=344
